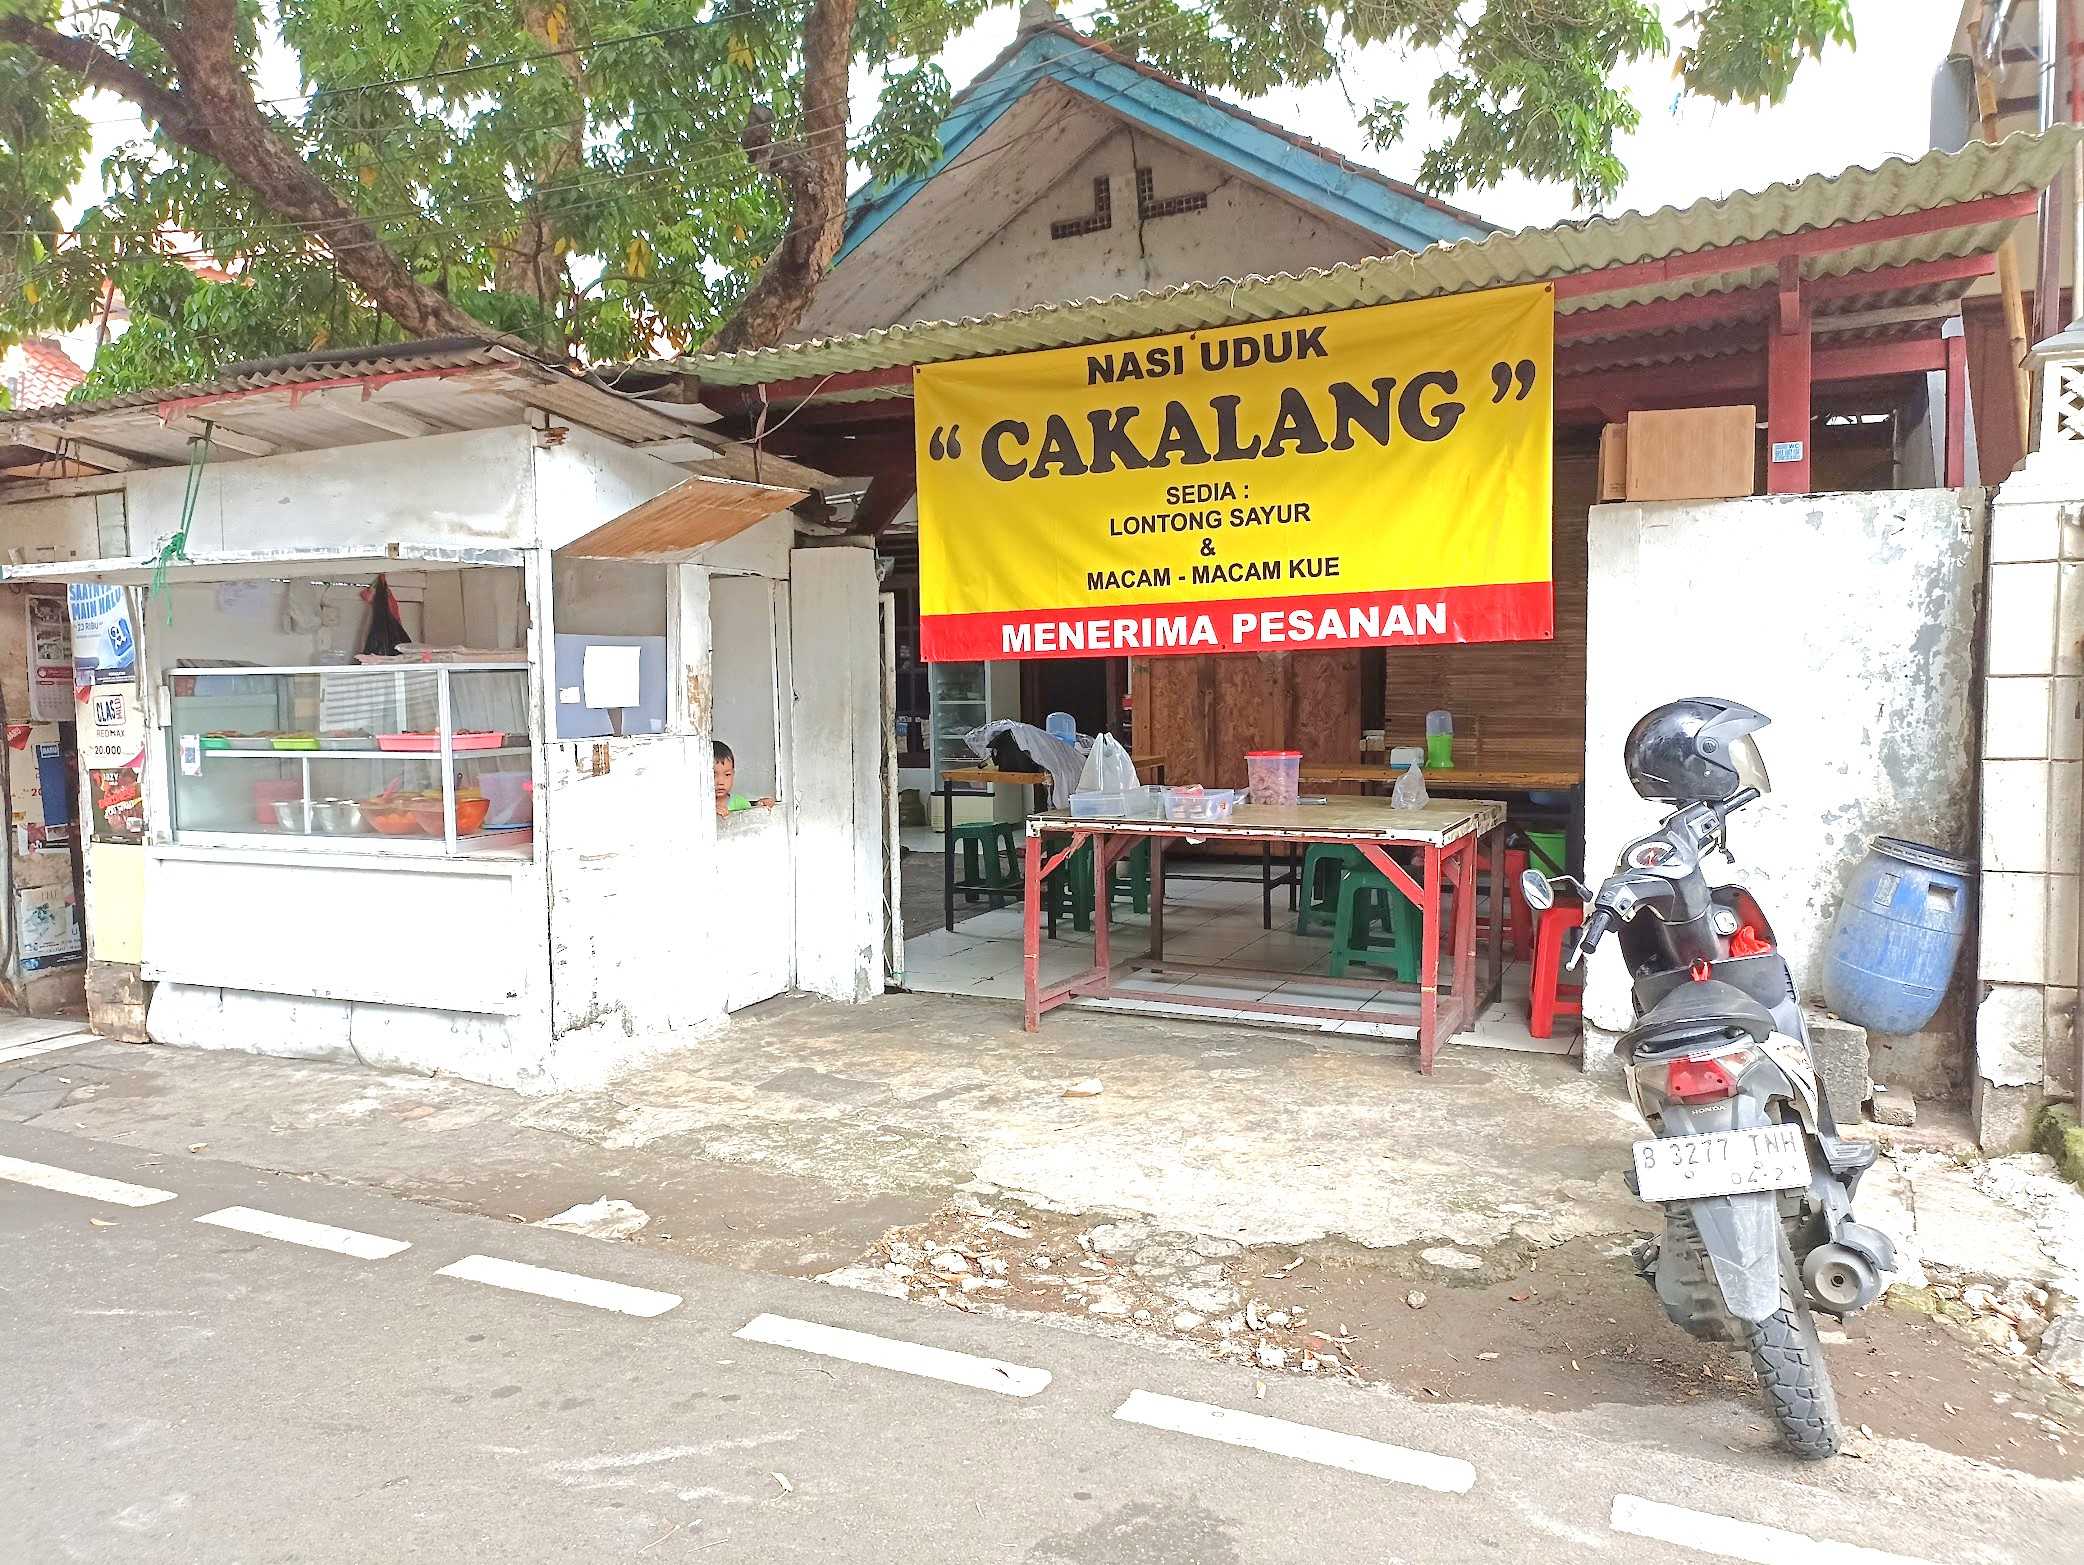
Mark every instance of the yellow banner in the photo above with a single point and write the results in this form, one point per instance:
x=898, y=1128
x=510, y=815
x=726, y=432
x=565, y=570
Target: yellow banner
x=1369, y=477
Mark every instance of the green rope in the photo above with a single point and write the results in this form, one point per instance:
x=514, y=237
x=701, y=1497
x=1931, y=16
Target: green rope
x=176, y=547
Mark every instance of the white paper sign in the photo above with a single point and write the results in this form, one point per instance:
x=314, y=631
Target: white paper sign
x=191, y=755
x=610, y=676
x=115, y=726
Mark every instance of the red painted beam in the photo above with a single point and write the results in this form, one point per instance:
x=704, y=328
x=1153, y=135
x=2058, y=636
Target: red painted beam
x=1592, y=358
x=1741, y=375
x=1822, y=241
x=1866, y=360
x=1747, y=304
x=1895, y=279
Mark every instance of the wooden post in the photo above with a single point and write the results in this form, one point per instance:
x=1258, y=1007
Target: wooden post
x=2007, y=262
x=1787, y=387
x=1957, y=411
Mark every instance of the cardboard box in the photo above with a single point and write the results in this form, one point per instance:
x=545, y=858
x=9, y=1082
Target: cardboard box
x=1692, y=453
x=1613, y=462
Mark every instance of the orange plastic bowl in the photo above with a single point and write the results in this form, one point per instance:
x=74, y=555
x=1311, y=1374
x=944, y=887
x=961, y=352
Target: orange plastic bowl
x=470, y=816
x=391, y=820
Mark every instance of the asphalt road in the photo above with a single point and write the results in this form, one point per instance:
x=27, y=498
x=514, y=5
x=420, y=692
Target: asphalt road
x=181, y=1390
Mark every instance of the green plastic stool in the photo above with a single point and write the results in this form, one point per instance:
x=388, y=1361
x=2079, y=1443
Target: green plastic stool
x=1072, y=880
x=1365, y=898
x=990, y=858
x=1137, y=867
x=1315, y=901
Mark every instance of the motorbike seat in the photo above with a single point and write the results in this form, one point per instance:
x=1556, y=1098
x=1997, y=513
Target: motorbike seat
x=1697, y=1013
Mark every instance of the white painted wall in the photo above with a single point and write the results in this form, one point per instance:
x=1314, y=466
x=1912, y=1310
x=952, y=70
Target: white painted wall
x=463, y=490
x=608, y=597
x=835, y=722
x=2033, y=780
x=1849, y=619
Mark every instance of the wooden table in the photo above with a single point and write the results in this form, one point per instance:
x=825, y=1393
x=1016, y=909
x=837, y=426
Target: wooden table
x=1445, y=834
x=1149, y=768
x=1509, y=778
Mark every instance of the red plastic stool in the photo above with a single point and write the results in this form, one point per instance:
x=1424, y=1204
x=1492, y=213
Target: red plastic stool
x=1548, y=999
x=1522, y=925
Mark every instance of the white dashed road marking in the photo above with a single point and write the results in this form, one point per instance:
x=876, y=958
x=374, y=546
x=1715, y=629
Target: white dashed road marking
x=568, y=1286
x=908, y=1358
x=1734, y=1540
x=1304, y=1442
x=65, y=1182
x=315, y=1236
x=23, y=1051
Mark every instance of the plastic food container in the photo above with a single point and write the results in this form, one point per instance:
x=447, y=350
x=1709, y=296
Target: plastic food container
x=296, y=741
x=512, y=795
x=1131, y=804
x=1199, y=804
x=1273, y=776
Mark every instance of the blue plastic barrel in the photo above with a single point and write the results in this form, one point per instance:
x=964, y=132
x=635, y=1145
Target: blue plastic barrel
x=1897, y=935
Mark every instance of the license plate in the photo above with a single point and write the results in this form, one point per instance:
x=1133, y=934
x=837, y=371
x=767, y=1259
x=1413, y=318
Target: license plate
x=1722, y=1162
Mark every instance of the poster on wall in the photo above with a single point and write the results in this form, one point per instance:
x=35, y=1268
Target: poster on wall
x=50, y=661
x=1372, y=477
x=115, y=733
x=118, y=803
x=104, y=643
x=47, y=927
x=54, y=788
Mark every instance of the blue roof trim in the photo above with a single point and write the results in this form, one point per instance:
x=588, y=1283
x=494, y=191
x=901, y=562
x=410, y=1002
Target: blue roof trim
x=1182, y=116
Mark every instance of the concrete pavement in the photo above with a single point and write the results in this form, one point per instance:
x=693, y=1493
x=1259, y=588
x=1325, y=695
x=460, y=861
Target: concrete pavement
x=187, y=1391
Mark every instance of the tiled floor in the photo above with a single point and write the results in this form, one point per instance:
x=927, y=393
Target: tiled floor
x=1206, y=924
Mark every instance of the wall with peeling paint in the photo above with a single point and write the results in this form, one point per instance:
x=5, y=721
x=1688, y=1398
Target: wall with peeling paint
x=2032, y=781
x=1850, y=620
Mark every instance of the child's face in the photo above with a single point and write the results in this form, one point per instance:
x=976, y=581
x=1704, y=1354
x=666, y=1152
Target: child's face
x=726, y=773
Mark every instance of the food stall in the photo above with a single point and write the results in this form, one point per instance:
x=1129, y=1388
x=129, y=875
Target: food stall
x=1370, y=478
x=484, y=844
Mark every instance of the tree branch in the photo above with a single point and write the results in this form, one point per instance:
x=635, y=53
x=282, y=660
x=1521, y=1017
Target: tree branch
x=96, y=67
x=213, y=112
x=814, y=176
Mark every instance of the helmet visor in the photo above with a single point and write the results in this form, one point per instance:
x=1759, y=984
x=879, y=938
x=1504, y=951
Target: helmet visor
x=1749, y=764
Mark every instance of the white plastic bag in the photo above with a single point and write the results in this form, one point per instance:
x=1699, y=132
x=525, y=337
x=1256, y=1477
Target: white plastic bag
x=1108, y=769
x=1410, y=791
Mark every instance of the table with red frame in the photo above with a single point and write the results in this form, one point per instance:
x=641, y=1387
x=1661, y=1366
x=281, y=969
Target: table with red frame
x=1444, y=841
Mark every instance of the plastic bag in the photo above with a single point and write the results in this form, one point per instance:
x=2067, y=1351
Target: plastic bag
x=1108, y=769
x=1410, y=791
x=1044, y=750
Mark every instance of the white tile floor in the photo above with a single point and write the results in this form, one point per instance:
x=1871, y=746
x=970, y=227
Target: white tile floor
x=1210, y=925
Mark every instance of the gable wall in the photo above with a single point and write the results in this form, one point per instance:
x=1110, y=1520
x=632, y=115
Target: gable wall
x=1243, y=230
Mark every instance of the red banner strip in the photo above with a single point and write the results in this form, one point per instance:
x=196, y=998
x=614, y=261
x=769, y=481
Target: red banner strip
x=1503, y=611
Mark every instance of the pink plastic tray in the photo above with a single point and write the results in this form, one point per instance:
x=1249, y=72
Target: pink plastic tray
x=421, y=742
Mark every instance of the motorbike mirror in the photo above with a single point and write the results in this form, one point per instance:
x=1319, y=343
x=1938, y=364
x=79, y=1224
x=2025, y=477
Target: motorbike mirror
x=1536, y=891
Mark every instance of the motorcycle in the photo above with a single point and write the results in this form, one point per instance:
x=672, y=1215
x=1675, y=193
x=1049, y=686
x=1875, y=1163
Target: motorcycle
x=1756, y=1183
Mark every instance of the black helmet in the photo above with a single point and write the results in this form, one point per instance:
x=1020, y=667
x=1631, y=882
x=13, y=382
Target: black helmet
x=1696, y=751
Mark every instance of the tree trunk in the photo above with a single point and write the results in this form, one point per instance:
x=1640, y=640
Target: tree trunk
x=531, y=265
x=813, y=175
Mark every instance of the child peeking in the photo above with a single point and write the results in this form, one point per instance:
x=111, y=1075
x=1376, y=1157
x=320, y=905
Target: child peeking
x=727, y=802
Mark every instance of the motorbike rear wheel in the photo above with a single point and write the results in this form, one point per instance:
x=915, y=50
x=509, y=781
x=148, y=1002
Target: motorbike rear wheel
x=1789, y=1360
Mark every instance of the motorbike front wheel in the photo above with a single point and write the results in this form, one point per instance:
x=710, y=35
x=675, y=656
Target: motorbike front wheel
x=1789, y=1360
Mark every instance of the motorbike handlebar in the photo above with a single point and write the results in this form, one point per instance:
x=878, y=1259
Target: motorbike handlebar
x=1593, y=932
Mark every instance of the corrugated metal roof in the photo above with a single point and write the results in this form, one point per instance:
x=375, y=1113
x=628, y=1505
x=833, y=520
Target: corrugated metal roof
x=1896, y=187
x=353, y=396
